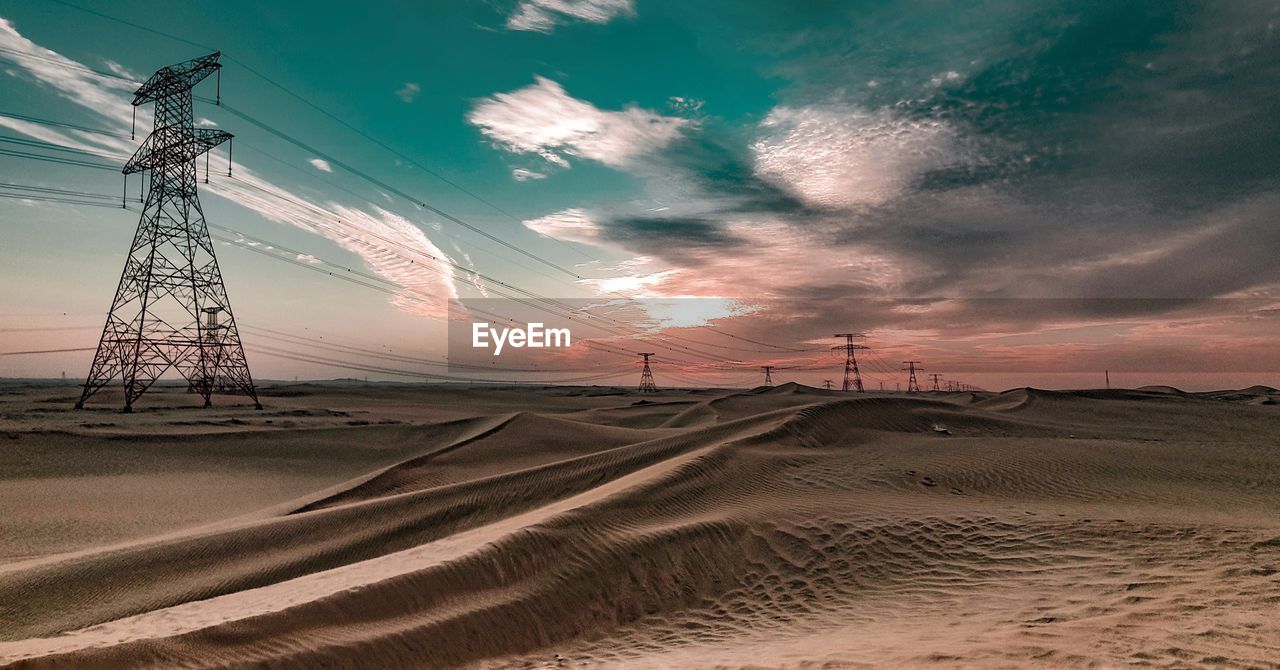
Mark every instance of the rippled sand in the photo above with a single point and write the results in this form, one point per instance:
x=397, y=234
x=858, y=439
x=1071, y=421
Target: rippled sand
x=357, y=527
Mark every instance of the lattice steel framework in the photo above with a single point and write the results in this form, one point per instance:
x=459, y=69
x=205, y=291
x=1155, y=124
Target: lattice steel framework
x=171, y=308
x=646, y=376
x=852, y=377
x=912, y=368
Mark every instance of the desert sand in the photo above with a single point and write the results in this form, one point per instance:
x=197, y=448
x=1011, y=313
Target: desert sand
x=386, y=526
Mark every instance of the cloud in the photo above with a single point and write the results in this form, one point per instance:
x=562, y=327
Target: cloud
x=635, y=285
x=686, y=241
x=544, y=120
x=321, y=164
x=390, y=245
x=839, y=155
x=544, y=15
x=121, y=70
x=574, y=225
x=683, y=105
x=524, y=174
x=102, y=94
x=409, y=92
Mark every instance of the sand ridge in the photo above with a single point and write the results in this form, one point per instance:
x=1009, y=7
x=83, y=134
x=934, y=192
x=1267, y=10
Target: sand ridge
x=782, y=527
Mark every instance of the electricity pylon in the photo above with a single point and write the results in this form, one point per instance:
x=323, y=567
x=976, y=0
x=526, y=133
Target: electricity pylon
x=171, y=308
x=827, y=382
x=646, y=377
x=768, y=378
x=913, y=386
x=936, y=377
x=852, y=378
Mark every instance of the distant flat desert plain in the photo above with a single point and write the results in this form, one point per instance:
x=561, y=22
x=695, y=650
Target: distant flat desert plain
x=423, y=526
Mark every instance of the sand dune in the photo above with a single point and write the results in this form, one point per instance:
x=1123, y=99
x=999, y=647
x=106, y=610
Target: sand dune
x=776, y=527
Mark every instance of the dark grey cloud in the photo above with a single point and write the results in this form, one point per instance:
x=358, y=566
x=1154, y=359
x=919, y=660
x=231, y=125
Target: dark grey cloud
x=683, y=240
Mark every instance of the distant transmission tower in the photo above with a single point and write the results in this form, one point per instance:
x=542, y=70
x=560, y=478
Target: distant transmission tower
x=827, y=382
x=171, y=308
x=936, y=377
x=913, y=386
x=852, y=378
x=768, y=378
x=646, y=377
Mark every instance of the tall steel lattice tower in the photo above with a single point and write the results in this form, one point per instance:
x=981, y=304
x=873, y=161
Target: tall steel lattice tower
x=768, y=374
x=913, y=386
x=646, y=377
x=852, y=378
x=171, y=308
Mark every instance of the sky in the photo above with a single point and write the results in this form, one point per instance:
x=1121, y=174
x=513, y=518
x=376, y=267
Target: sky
x=1012, y=192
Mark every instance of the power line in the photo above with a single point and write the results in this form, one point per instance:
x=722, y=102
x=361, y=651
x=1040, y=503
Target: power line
x=47, y=198
x=333, y=117
x=383, y=145
x=69, y=66
x=45, y=351
x=63, y=124
x=392, y=189
x=465, y=270
x=57, y=159
x=308, y=148
x=375, y=283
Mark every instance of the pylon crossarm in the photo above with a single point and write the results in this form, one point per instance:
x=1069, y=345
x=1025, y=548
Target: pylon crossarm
x=174, y=149
x=176, y=79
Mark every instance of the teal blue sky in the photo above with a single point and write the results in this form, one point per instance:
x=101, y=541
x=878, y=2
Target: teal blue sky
x=1017, y=192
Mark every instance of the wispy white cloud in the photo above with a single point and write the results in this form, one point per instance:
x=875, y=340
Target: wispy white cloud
x=544, y=15
x=392, y=246
x=102, y=94
x=409, y=92
x=525, y=174
x=320, y=164
x=574, y=225
x=389, y=244
x=121, y=70
x=684, y=105
x=543, y=119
